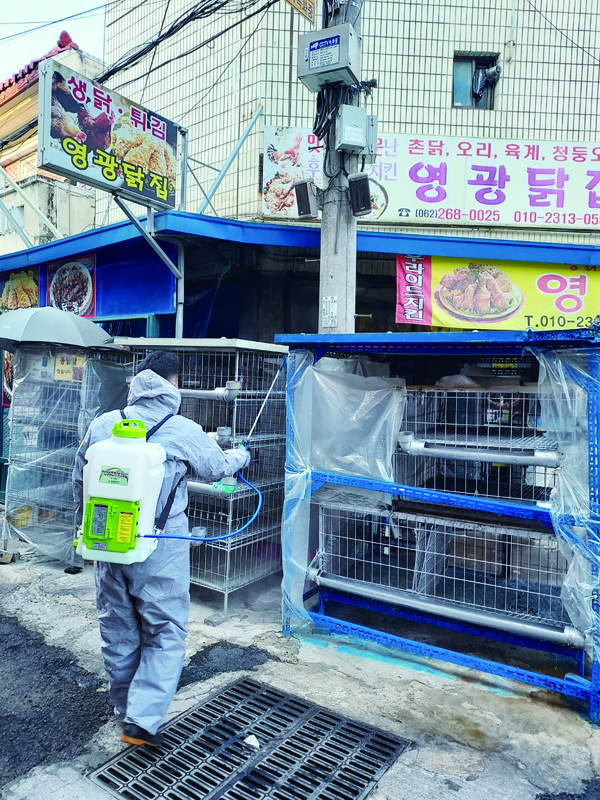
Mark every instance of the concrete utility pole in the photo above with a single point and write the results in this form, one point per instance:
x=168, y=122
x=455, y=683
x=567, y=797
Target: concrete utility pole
x=337, y=282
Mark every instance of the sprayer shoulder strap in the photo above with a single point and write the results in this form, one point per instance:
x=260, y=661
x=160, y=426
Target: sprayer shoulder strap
x=161, y=520
x=153, y=430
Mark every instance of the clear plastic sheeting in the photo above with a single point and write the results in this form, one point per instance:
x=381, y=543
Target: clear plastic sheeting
x=357, y=365
x=355, y=423
x=338, y=421
x=566, y=380
x=55, y=392
x=104, y=388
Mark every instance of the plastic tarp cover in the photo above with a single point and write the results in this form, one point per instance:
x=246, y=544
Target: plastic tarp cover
x=565, y=379
x=341, y=422
x=104, y=388
x=47, y=410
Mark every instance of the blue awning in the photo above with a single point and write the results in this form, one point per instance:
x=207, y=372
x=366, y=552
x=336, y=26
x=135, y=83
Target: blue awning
x=174, y=224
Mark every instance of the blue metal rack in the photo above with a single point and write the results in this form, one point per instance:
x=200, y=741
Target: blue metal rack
x=495, y=343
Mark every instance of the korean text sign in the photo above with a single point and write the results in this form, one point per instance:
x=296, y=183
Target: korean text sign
x=93, y=135
x=305, y=7
x=445, y=180
x=506, y=295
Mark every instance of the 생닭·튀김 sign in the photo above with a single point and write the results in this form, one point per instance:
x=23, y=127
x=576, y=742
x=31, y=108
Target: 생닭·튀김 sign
x=93, y=135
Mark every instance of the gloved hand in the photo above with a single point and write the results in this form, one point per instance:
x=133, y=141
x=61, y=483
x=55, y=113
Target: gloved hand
x=239, y=457
x=245, y=450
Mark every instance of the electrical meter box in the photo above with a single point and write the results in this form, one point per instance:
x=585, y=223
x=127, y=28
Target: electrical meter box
x=350, y=129
x=331, y=55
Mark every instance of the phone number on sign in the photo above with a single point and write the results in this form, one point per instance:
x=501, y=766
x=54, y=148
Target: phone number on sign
x=553, y=322
x=474, y=215
x=492, y=215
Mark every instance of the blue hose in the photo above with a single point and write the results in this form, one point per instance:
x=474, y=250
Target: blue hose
x=217, y=538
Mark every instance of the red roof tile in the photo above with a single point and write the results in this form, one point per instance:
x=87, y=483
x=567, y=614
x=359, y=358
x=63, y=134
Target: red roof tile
x=29, y=73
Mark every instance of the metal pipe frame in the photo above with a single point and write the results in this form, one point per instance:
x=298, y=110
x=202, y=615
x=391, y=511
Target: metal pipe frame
x=567, y=636
x=420, y=447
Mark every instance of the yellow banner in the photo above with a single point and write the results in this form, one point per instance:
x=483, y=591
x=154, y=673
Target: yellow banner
x=500, y=295
x=68, y=368
x=304, y=7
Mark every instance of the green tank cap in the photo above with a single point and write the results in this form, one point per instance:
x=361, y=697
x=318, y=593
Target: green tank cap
x=129, y=429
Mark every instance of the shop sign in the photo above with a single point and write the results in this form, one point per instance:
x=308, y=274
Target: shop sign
x=68, y=367
x=91, y=134
x=503, y=295
x=450, y=181
x=304, y=7
x=290, y=154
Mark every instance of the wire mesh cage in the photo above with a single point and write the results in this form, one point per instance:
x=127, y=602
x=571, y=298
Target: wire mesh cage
x=229, y=564
x=256, y=382
x=475, y=442
x=490, y=567
x=55, y=395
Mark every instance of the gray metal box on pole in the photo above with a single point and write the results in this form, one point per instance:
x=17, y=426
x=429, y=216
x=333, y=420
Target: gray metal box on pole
x=331, y=55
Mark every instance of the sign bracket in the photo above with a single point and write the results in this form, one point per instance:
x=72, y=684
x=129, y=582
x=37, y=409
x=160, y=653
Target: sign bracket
x=31, y=205
x=147, y=235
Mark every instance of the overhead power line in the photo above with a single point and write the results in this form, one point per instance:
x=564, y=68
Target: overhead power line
x=199, y=11
x=38, y=27
x=562, y=33
x=204, y=43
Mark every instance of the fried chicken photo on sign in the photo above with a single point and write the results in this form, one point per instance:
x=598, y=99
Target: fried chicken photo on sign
x=97, y=129
x=64, y=124
x=478, y=289
x=139, y=147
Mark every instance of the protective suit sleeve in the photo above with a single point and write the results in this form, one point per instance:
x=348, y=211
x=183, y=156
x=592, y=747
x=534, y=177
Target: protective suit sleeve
x=203, y=454
x=239, y=456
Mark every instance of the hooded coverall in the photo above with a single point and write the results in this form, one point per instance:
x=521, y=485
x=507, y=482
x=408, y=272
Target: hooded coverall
x=143, y=608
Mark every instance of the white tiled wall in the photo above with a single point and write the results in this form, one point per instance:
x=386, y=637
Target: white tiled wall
x=548, y=88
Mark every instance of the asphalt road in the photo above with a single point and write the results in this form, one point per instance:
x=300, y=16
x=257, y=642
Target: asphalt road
x=50, y=707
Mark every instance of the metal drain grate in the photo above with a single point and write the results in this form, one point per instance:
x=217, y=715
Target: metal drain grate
x=306, y=752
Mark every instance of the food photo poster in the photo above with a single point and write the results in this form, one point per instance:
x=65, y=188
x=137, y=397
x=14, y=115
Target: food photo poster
x=18, y=289
x=71, y=285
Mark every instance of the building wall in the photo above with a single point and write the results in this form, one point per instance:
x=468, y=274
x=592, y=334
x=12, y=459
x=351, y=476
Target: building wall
x=70, y=208
x=548, y=87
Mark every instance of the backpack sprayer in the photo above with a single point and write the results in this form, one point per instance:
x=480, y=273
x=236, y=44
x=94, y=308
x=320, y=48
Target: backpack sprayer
x=119, y=523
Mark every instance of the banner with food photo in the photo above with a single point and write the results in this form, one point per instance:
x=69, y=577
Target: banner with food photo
x=20, y=289
x=92, y=134
x=502, y=295
x=290, y=154
x=71, y=285
x=7, y=377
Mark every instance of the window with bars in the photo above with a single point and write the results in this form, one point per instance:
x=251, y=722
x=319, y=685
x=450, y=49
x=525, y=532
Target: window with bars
x=474, y=81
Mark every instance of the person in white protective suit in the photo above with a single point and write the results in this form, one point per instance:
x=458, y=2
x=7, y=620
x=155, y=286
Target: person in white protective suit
x=143, y=607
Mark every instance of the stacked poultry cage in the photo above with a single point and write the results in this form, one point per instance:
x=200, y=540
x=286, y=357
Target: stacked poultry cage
x=57, y=391
x=224, y=384
x=466, y=499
